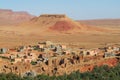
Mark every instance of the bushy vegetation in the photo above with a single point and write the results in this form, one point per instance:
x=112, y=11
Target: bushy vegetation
x=33, y=62
x=99, y=73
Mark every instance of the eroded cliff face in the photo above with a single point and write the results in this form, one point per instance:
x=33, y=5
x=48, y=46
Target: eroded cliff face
x=8, y=17
x=58, y=66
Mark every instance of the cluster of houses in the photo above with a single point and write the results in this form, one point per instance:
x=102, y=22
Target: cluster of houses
x=46, y=50
x=43, y=52
x=30, y=53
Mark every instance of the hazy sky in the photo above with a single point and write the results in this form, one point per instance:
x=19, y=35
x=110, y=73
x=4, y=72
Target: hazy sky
x=76, y=9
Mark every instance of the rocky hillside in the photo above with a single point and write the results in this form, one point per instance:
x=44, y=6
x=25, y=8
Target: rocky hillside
x=57, y=23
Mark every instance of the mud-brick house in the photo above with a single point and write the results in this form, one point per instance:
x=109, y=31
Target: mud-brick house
x=41, y=46
x=67, y=51
x=3, y=50
x=27, y=60
x=75, y=51
x=33, y=56
x=5, y=55
x=116, y=48
x=20, y=55
x=18, y=60
x=110, y=47
x=21, y=48
x=59, y=49
x=52, y=47
x=14, y=54
x=29, y=48
x=94, y=52
x=109, y=50
x=44, y=45
x=46, y=50
x=109, y=54
x=13, y=50
x=48, y=43
x=91, y=52
x=64, y=47
x=85, y=52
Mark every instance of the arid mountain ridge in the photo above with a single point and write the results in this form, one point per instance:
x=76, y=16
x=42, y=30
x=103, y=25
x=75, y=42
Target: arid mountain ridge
x=9, y=17
x=45, y=23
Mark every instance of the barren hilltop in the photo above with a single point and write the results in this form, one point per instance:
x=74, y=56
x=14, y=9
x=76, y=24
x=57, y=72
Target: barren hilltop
x=57, y=23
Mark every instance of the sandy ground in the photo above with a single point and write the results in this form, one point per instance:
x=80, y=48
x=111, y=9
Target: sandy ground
x=11, y=36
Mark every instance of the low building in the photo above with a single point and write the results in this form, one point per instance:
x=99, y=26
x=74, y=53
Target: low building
x=28, y=60
x=3, y=50
x=64, y=47
x=18, y=60
x=109, y=54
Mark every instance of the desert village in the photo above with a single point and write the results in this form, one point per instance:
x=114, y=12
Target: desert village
x=55, y=59
x=51, y=58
